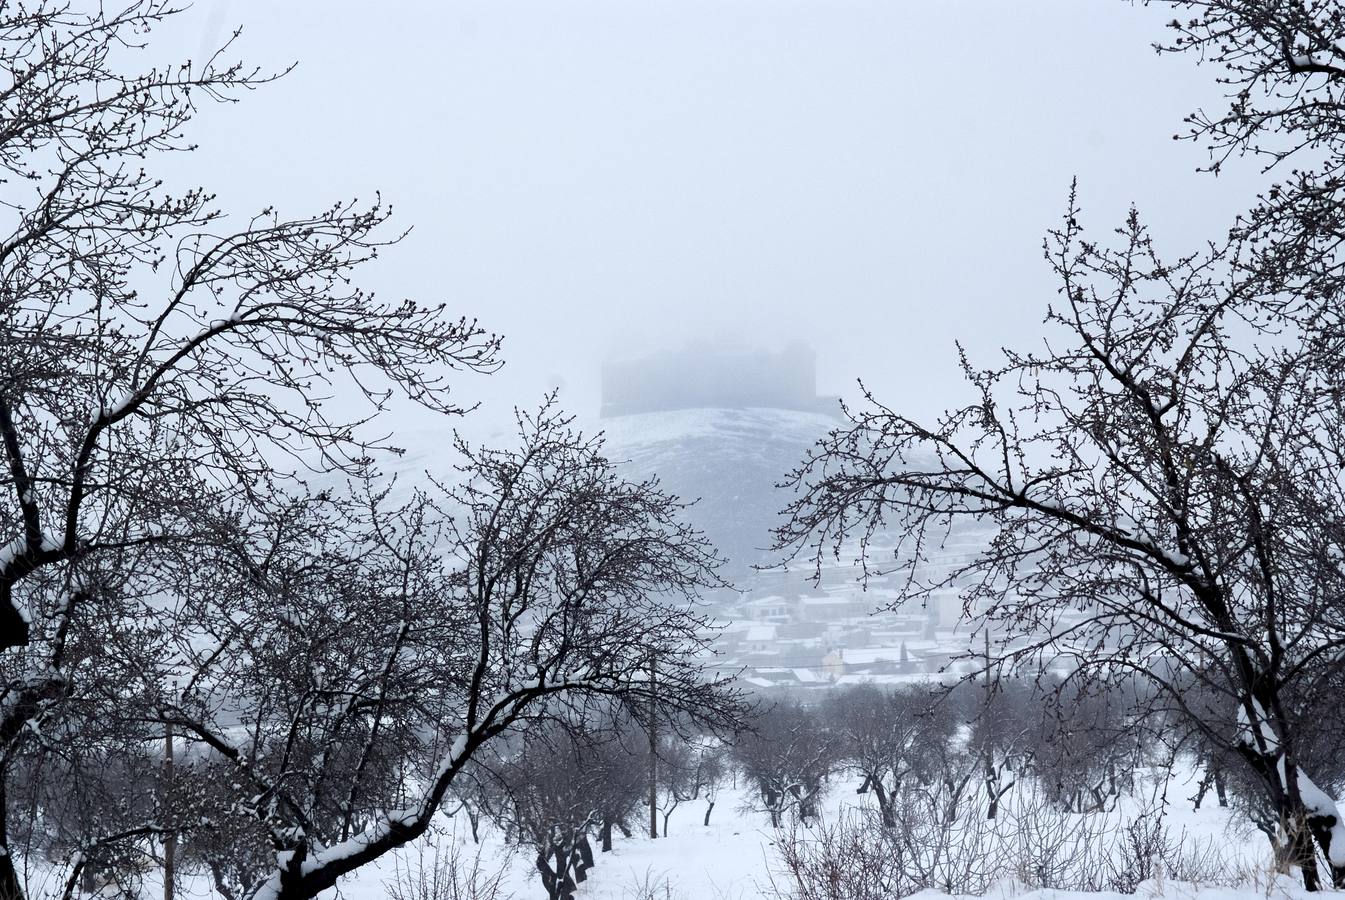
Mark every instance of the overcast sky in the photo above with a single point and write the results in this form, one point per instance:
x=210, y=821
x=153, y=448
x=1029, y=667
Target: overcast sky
x=605, y=178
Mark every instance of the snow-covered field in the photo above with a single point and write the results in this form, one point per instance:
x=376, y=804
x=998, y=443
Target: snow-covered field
x=736, y=858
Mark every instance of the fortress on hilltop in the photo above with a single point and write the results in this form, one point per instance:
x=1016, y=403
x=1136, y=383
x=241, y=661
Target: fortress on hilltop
x=713, y=378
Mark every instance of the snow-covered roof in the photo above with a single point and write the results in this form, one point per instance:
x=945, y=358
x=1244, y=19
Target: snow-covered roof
x=771, y=600
x=762, y=632
x=905, y=678
x=868, y=655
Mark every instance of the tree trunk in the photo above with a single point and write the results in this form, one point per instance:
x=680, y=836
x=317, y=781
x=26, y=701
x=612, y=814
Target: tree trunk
x=884, y=804
x=1299, y=828
x=774, y=803
x=1320, y=828
x=10, y=887
x=1302, y=853
x=991, y=786
x=474, y=819
x=653, y=756
x=13, y=626
x=807, y=802
x=1201, y=789
x=954, y=795
x=551, y=879
x=548, y=877
x=20, y=711
x=583, y=858
x=554, y=866
x=709, y=808
x=170, y=839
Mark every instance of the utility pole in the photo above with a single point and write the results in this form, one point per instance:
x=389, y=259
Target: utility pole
x=987, y=663
x=170, y=837
x=988, y=740
x=653, y=756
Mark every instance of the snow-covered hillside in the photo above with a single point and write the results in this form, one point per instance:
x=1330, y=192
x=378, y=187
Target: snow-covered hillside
x=728, y=460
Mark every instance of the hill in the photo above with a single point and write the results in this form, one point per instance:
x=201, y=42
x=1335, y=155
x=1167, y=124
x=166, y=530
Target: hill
x=727, y=460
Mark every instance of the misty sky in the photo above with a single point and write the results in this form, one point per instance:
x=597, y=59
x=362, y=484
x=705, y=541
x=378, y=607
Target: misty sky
x=606, y=178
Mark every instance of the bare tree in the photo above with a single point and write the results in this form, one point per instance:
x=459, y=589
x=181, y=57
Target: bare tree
x=217, y=837
x=617, y=755
x=888, y=737
x=1002, y=713
x=787, y=754
x=556, y=794
x=350, y=665
x=565, y=782
x=691, y=766
x=91, y=799
x=1085, y=750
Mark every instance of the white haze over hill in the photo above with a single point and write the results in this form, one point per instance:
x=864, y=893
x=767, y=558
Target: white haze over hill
x=598, y=178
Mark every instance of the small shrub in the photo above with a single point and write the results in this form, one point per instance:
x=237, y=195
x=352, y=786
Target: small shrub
x=446, y=870
x=1032, y=842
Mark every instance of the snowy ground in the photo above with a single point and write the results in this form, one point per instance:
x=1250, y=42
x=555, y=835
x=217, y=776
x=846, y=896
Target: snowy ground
x=734, y=857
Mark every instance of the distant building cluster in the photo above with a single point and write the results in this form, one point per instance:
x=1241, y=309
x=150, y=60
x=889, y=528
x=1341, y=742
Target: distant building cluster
x=703, y=377
x=786, y=633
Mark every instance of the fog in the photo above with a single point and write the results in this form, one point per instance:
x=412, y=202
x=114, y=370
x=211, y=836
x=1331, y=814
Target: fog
x=601, y=180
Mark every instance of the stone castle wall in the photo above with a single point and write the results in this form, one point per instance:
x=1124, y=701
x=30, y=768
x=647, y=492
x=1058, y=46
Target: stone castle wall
x=699, y=377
